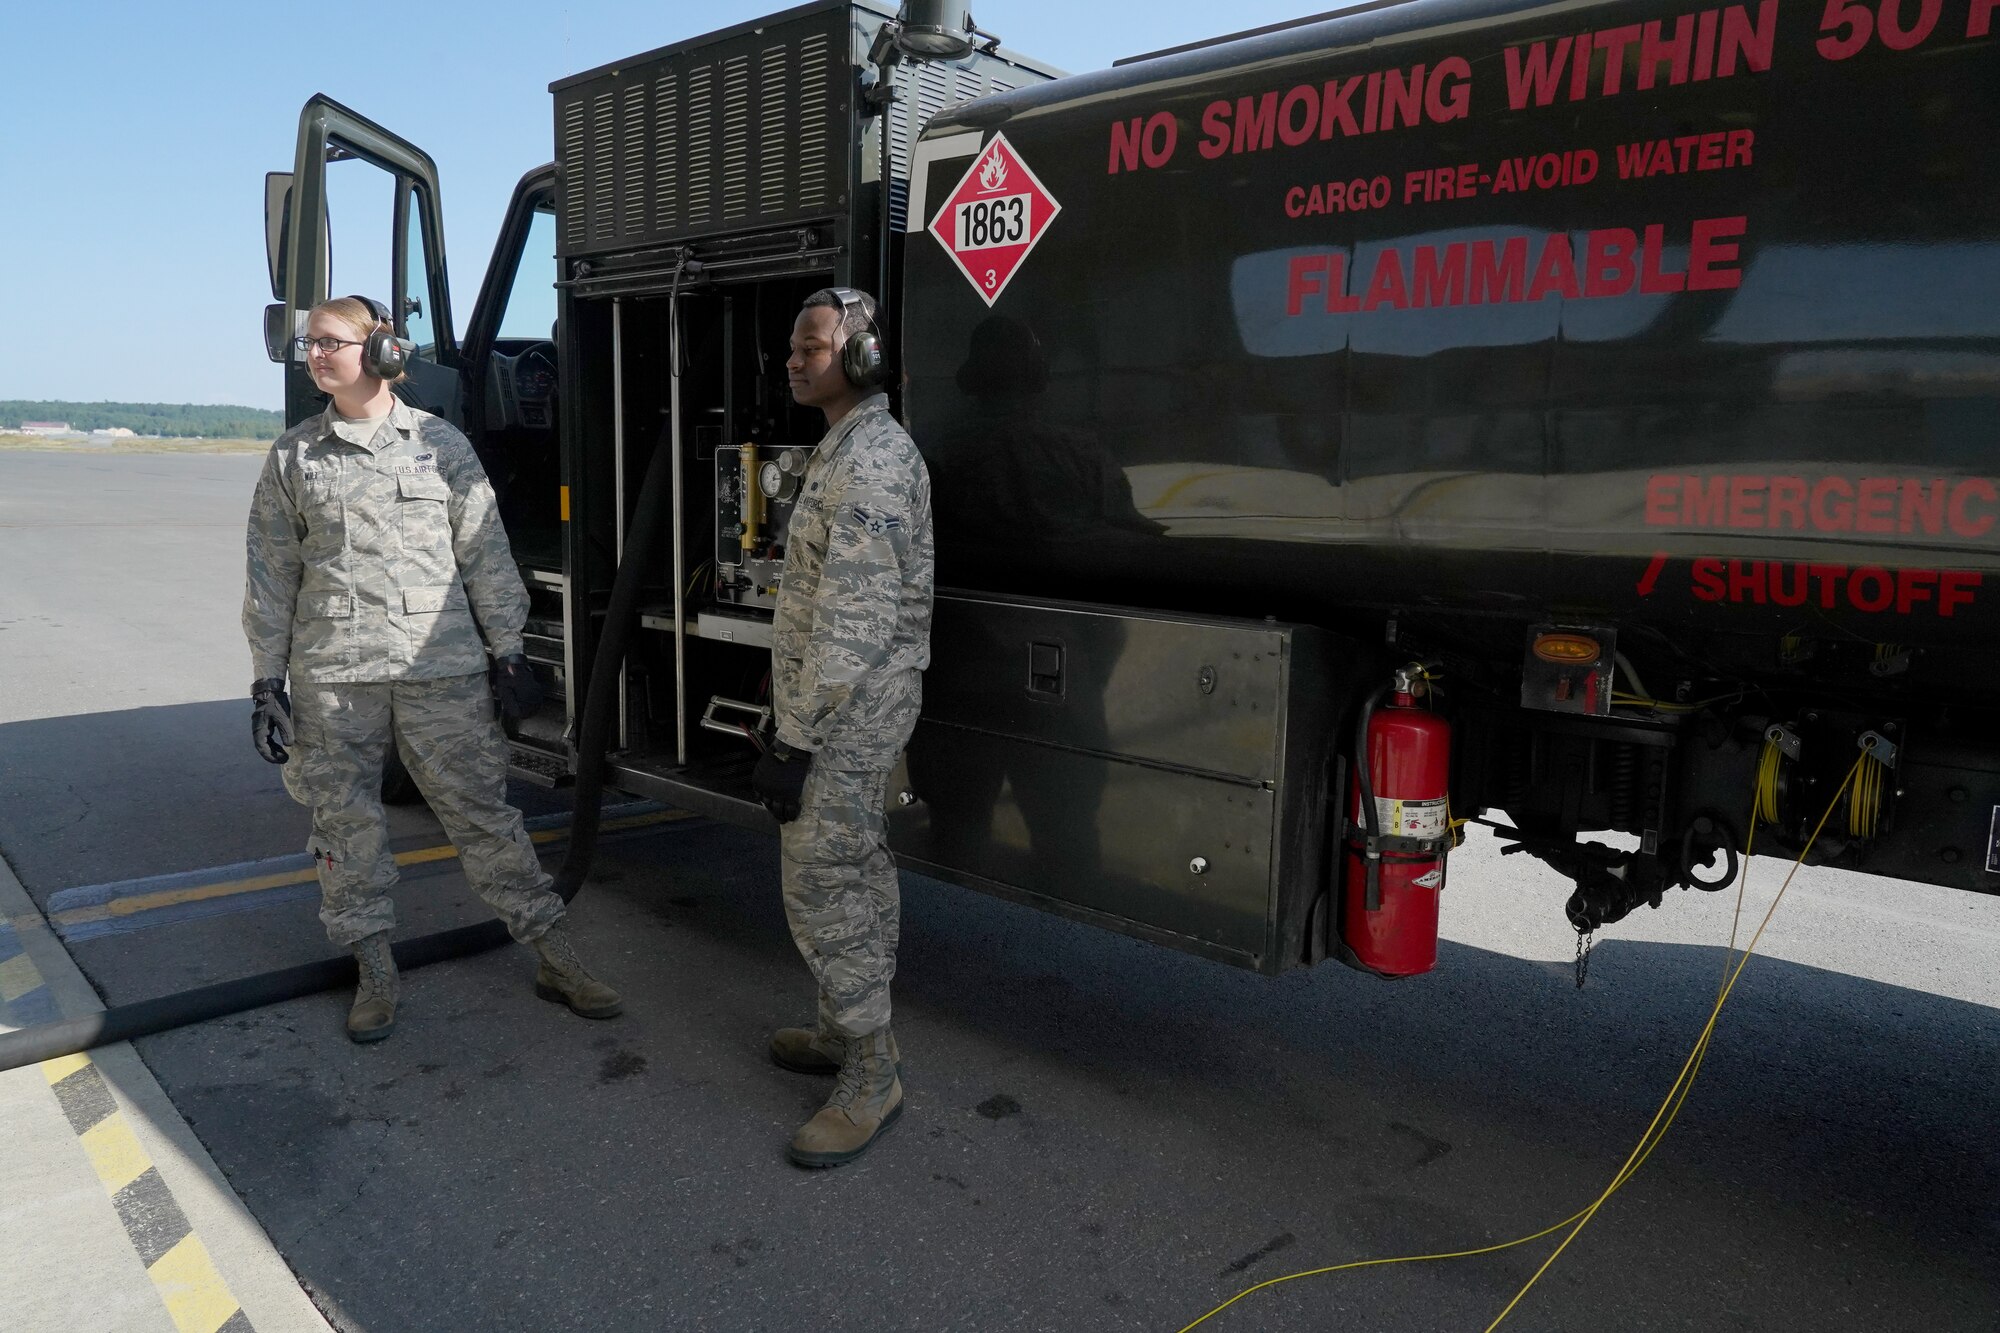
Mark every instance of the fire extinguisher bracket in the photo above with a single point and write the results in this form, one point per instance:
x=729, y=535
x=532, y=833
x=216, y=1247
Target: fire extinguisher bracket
x=1391, y=843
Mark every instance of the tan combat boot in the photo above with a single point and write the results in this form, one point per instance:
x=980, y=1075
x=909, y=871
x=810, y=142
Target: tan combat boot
x=865, y=1102
x=805, y=1051
x=373, y=1016
x=561, y=978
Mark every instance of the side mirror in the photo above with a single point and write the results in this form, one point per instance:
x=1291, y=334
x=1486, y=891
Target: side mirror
x=277, y=332
x=277, y=220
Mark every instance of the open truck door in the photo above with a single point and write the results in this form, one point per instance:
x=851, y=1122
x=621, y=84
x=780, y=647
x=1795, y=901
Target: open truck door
x=359, y=213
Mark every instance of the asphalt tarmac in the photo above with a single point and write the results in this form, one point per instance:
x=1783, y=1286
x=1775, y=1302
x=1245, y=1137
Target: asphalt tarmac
x=1100, y=1134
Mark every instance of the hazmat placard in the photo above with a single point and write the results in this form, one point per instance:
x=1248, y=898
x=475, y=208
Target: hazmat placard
x=993, y=217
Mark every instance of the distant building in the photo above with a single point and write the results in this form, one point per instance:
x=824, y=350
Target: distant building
x=113, y=433
x=46, y=428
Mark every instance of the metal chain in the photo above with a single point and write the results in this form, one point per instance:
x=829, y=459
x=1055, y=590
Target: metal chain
x=1583, y=941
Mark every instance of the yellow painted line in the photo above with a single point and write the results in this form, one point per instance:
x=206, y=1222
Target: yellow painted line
x=197, y=1298
x=114, y=1153
x=146, y=902
x=63, y=1066
x=1173, y=492
x=565, y=504
x=17, y=977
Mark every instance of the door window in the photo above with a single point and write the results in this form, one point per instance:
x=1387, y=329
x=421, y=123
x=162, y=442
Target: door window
x=531, y=302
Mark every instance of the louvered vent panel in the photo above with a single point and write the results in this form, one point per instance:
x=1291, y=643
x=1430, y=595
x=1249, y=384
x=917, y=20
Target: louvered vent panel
x=576, y=175
x=735, y=139
x=758, y=129
x=814, y=160
x=631, y=163
x=773, y=111
x=700, y=146
x=602, y=157
x=667, y=165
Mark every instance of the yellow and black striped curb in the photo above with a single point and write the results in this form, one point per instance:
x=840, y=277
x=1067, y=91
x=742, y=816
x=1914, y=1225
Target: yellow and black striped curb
x=196, y=1297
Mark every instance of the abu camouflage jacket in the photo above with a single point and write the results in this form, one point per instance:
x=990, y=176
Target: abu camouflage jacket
x=853, y=629
x=378, y=561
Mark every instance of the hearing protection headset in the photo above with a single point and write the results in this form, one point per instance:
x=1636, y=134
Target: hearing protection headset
x=861, y=358
x=383, y=354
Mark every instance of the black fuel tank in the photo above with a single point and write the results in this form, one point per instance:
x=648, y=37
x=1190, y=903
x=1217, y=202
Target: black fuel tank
x=1674, y=314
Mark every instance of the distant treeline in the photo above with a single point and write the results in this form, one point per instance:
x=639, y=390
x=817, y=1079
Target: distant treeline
x=214, y=422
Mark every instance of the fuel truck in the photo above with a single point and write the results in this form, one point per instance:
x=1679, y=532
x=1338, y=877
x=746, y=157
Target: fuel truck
x=1580, y=418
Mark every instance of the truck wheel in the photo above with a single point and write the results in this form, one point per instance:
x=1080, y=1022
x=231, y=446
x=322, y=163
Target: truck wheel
x=398, y=787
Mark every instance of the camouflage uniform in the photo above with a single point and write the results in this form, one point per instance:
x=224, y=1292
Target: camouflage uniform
x=379, y=578
x=850, y=642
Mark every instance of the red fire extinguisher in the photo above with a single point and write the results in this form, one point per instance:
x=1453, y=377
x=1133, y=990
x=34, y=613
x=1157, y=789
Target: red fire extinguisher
x=1394, y=860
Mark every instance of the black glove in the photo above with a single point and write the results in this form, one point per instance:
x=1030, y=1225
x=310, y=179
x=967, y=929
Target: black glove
x=270, y=719
x=515, y=686
x=780, y=779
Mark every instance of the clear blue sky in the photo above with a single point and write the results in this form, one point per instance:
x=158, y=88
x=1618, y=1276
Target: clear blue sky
x=135, y=134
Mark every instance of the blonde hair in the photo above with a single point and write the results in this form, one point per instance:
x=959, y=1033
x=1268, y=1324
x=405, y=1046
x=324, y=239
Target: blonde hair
x=360, y=321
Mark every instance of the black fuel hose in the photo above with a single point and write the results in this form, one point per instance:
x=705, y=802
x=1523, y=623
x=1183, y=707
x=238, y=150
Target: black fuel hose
x=164, y=1013
x=1371, y=819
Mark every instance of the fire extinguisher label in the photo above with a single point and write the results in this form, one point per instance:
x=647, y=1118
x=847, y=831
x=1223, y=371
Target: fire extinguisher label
x=1411, y=819
x=1430, y=879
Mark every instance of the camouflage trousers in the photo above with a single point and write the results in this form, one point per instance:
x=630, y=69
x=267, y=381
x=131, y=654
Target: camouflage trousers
x=453, y=746
x=842, y=897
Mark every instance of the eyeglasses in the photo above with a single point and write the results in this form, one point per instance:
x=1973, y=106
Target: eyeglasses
x=324, y=346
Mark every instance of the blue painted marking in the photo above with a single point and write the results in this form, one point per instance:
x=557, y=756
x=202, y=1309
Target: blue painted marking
x=35, y=1008
x=257, y=899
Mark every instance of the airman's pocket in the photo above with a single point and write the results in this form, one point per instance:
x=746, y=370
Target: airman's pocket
x=424, y=508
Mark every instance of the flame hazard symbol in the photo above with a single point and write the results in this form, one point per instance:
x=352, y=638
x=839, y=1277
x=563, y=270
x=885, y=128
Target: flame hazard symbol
x=993, y=176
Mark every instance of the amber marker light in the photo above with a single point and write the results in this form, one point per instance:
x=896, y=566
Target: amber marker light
x=1568, y=648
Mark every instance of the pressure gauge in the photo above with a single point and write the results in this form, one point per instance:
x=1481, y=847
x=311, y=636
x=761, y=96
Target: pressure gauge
x=775, y=481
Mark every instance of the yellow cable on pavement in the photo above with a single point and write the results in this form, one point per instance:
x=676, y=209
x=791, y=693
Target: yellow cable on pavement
x=1663, y=1119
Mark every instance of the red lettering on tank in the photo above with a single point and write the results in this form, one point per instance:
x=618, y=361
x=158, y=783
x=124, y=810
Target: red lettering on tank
x=1965, y=523
x=1403, y=95
x=1746, y=502
x=1708, y=252
x=1337, y=108
x=1881, y=589
x=1795, y=595
x=1644, y=587
x=1913, y=586
x=1256, y=123
x=1448, y=94
x=1663, y=501
x=1875, y=505
x=1439, y=278
x=1708, y=580
x=1292, y=128
x=1752, y=43
x=1535, y=75
x=1923, y=508
x=1555, y=271
x=1707, y=502
x=1746, y=581
x=1609, y=265
x=1676, y=52
x=1955, y=588
x=1497, y=276
x=1124, y=146
x=1613, y=41
x=1387, y=286
x=1787, y=505
x=1215, y=126
x=1300, y=283
x=1832, y=510
x=1652, y=281
x=1828, y=578
x=1980, y=21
